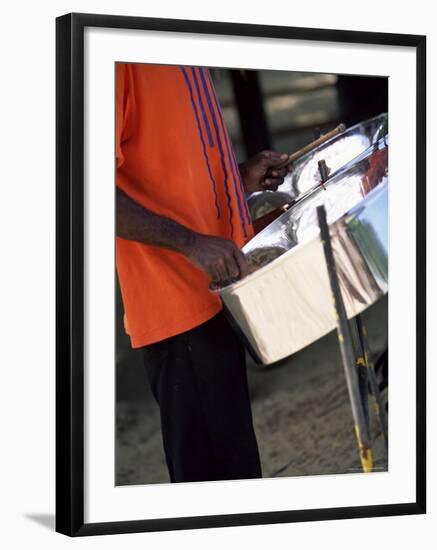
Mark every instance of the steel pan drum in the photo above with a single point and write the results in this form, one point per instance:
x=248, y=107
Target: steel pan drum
x=336, y=152
x=287, y=304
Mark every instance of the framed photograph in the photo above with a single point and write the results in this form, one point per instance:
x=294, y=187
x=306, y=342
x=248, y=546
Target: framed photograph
x=232, y=268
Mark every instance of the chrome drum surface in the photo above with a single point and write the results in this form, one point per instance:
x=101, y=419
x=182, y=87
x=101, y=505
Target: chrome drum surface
x=287, y=304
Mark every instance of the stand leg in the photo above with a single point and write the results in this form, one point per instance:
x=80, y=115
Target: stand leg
x=379, y=405
x=346, y=348
x=363, y=378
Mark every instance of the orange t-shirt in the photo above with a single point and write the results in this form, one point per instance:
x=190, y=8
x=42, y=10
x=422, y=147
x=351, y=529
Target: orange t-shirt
x=175, y=158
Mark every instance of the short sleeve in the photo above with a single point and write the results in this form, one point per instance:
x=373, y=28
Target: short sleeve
x=124, y=102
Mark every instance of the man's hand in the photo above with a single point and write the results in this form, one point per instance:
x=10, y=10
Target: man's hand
x=264, y=171
x=220, y=258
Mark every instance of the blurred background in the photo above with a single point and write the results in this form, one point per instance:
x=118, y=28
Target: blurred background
x=300, y=406
x=283, y=110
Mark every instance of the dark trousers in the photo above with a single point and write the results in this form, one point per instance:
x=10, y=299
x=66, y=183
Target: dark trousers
x=199, y=380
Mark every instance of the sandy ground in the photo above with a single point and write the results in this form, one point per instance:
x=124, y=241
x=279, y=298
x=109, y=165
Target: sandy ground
x=301, y=412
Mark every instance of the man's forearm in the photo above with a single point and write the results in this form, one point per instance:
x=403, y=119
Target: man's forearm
x=220, y=258
x=136, y=223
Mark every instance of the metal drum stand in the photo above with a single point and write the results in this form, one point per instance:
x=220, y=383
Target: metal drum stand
x=359, y=370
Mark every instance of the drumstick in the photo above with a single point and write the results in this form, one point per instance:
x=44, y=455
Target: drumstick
x=301, y=152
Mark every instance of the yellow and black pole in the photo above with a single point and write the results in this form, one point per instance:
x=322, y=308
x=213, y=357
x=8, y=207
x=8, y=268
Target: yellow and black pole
x=379, y=405
x=346, y=348
x=360, y=363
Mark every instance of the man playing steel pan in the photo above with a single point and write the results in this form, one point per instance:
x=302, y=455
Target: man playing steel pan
x=181, y=221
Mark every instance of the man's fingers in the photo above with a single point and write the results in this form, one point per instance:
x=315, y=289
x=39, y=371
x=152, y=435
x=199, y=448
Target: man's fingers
x=232, y=267
x=222, y=270
x=215, y=275
x=271, y=184
x=272, y=158
x=243, y=266
x=217, y=271
x=276, y=172
x=222, y=260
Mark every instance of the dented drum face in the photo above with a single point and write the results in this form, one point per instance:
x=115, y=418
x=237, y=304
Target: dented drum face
x=286, y=305
x=261, y=203
x=339, y=194
x=337, y=152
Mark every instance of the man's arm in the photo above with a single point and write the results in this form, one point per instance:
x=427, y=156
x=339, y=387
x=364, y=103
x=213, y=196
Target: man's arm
x=220, y=258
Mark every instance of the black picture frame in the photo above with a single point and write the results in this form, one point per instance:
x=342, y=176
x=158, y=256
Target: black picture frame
x=70, y=273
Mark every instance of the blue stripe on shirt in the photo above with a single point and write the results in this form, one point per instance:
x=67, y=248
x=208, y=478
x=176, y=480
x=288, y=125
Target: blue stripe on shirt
x=202, y=108
x=225, y=135
x=199, y=127
x=233, y=163
x=220, y=147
